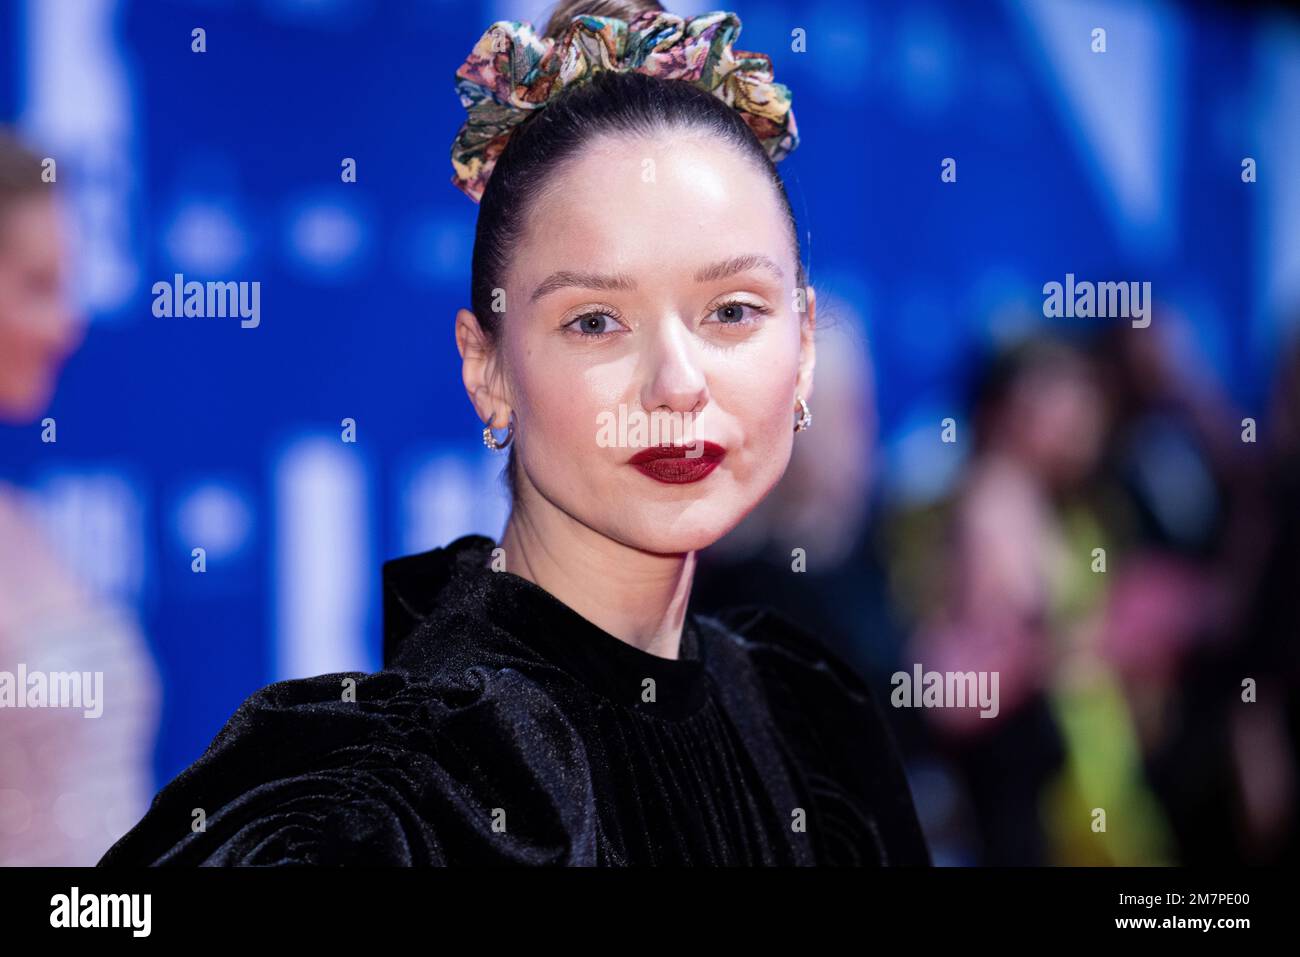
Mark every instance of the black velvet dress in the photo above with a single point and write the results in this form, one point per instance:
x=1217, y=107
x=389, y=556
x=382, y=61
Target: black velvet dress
x=505, y=728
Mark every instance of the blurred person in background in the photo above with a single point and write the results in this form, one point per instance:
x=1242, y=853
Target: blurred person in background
x=69, y=783
x=1263, y=735
x=1012, y=584
x=1206, y=598
x=1187, y=525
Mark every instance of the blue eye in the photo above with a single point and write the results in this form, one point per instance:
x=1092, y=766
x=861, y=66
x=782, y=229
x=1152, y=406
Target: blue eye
x=593, y=325
x=731, y=313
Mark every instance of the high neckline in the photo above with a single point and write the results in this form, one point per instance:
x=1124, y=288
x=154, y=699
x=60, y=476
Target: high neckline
x=603, y=662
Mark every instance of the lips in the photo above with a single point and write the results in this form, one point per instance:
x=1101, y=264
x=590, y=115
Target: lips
x=672, y=464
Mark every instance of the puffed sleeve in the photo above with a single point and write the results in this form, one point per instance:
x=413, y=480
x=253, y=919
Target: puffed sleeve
x=366, y=769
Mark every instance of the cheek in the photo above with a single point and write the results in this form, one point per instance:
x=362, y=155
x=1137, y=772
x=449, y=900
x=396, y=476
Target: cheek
x=770, y=417
x=20, y=338
x=33, y=324
x=27, y=371
x=559, y=399
x=759, y=395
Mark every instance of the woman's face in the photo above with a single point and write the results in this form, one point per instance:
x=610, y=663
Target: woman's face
x=38, y=327
x=655, y=284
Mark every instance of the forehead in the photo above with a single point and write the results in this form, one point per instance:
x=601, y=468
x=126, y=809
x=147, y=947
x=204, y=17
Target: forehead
x=649, y=203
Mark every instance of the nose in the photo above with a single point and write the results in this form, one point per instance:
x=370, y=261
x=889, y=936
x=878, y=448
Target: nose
x=675, y=381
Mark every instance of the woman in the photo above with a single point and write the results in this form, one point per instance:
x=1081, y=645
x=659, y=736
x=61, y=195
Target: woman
x=69, y=783
x=551, y=699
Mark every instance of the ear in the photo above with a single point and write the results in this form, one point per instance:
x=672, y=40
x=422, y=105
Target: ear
x=807, y=346
x=481, y=371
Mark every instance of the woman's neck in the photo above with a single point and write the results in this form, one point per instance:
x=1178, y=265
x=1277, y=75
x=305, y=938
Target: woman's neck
x=639, y=597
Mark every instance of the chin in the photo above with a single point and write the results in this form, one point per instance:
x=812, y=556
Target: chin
x=677, y=527
x=24, y=405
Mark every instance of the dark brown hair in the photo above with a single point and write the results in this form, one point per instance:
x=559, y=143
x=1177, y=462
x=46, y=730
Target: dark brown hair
x=609, y=102
x=20, y=172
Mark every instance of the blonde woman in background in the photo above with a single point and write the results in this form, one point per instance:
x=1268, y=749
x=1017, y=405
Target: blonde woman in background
x=70, y=783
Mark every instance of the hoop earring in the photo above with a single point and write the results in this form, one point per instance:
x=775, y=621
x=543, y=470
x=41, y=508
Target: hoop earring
x=805, y=416
x=490, y=440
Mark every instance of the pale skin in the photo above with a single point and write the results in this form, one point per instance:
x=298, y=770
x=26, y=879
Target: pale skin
x=38, y=326
x=616, y=546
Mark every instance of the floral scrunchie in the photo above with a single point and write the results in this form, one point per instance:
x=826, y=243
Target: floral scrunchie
x=513, y=72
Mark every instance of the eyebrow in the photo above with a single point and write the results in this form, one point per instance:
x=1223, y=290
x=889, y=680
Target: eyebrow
x=623, y=282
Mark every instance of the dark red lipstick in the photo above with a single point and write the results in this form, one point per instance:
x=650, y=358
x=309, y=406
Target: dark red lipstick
x=677, y=464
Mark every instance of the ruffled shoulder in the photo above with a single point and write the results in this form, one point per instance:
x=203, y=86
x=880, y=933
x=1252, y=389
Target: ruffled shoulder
x=387, y=768
x=774, y=639
x=835, y=738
